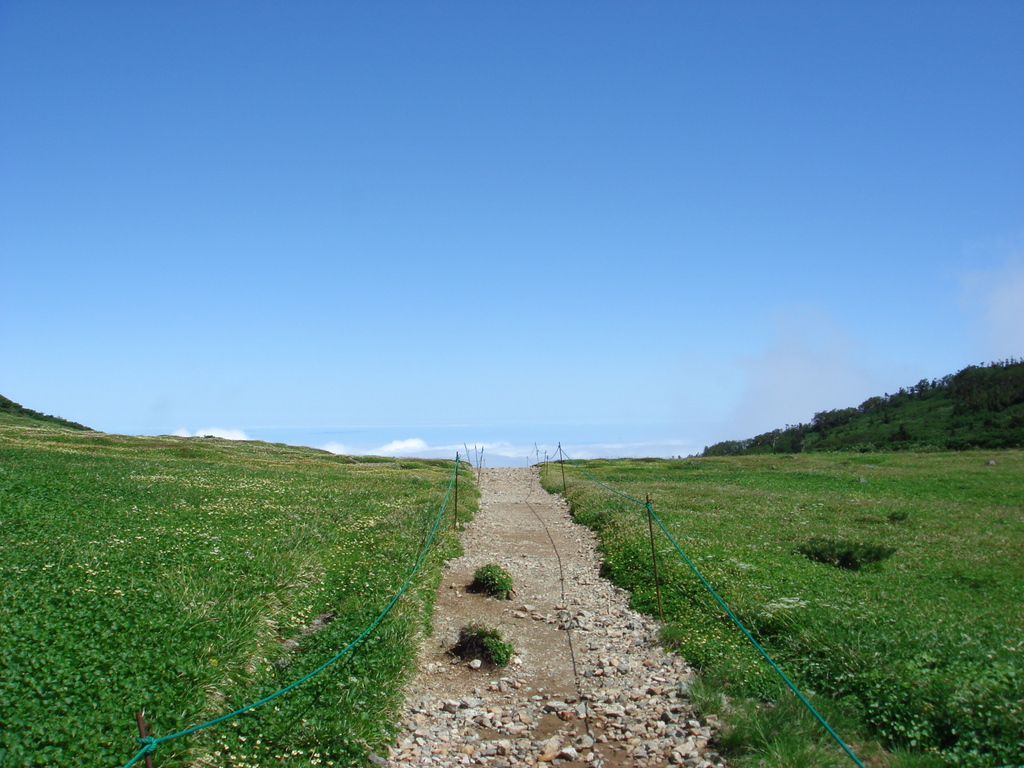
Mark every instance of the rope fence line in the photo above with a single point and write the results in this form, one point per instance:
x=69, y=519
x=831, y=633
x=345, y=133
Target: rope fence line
x=652, y=516
x=150, y=743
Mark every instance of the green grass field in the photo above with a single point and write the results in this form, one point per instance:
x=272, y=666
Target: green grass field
x=183, y=576
x=924, y=650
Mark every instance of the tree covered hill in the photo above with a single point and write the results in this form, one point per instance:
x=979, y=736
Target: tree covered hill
x=981, y=406
x=14, y=409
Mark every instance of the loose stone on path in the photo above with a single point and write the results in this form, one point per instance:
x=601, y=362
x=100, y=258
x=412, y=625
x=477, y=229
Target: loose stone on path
x=622, y=703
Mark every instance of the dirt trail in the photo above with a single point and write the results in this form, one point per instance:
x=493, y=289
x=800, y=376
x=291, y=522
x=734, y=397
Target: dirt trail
x=588, y=686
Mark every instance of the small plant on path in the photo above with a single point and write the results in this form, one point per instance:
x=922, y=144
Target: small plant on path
x=492, y=580
x=480, y=642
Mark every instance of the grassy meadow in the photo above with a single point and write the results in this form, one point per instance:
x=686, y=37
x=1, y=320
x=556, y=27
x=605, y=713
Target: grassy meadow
x=188, y=577
x=922, y=652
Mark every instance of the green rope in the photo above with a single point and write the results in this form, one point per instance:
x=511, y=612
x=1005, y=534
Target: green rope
x=732, y=616
x=754, y=642
x=150, y=744
x=606, y=487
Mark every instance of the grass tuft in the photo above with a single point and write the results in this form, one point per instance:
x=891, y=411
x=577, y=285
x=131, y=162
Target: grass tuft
x=492, y=580
x=479, y=642
x=841, y=553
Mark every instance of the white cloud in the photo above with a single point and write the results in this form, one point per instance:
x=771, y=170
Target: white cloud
x=335, y=447
x=226, y=434
x=811, y=365
x=399, y=447
x=998, y=294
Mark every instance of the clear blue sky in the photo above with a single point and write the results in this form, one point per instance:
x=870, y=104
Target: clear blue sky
x=633, y=227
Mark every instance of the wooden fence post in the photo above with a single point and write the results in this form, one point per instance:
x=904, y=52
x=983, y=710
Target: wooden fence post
x=143, y=734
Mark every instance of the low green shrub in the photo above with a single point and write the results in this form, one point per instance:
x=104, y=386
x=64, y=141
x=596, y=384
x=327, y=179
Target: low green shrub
x=480, y=642
x=492, y=580
x=841, y=553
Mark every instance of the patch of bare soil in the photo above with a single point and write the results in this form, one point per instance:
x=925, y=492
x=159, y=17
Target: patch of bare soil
x=588, y=685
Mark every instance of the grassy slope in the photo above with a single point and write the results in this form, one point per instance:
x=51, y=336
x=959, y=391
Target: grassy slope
x=925, y=649
x=163, y=574
x=12, y=408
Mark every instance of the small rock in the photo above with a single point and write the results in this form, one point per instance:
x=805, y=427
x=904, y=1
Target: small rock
x=475, y=664
x=550, y=750
x=585, y=742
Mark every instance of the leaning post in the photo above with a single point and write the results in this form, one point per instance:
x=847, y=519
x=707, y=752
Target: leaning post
x=654, y=557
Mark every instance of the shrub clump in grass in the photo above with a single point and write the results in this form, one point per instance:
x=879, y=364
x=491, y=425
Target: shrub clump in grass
x=492, y=580
x=841, y=553
x=479, y=642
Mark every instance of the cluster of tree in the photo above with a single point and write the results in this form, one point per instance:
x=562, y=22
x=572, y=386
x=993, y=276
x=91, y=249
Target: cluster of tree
x=981, y=406
x=11, y=407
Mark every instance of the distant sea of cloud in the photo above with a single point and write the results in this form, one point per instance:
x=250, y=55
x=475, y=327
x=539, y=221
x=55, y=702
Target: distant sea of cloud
x=499, y=445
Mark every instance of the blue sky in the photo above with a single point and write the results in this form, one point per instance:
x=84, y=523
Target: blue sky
x=633, y=227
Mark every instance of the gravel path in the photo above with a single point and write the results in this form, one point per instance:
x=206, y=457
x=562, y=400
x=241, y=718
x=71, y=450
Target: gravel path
x=588, y=687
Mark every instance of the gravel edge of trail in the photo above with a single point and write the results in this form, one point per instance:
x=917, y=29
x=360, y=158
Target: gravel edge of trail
x=589, y=686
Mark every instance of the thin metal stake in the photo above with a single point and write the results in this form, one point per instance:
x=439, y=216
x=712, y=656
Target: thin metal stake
x=143, y=734
x=455, y=517
x=561, y=463
x=654, y=557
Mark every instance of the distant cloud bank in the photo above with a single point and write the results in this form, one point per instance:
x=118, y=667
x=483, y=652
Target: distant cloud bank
x=396, y=447
x=503, y=454
x=412, y=447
